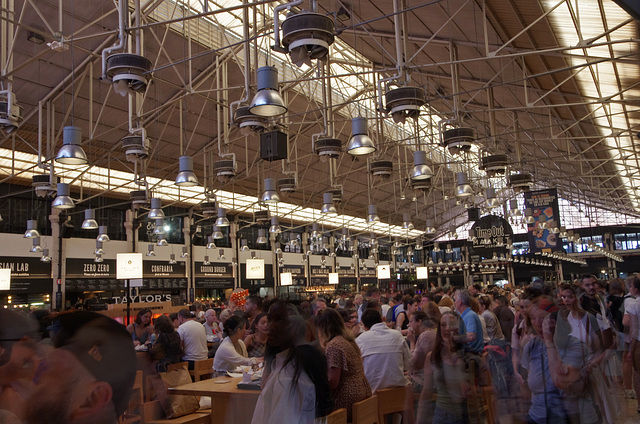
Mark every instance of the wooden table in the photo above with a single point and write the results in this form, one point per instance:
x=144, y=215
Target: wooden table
x=229, y=405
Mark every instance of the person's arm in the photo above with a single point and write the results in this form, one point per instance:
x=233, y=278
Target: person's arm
x=399, y=321
x=406, y=356
x=334, y=377
x=425, y=410
x=248, y=341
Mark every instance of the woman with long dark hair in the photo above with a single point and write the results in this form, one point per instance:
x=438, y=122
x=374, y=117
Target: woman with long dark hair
x=167, y=349
x=295, y=388
x=402, y=321
x=445, y=370
x=141, y=329
x=346, y=373
x=232, y=352
x=256, y=342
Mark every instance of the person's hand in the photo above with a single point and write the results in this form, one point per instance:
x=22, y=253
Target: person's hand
x=136, y=343
x=411, y=335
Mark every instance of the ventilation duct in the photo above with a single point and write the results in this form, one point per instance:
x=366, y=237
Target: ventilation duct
x=225, y=169
x=494, y=165
x=287, y=185
x=45, y=184
x=381, y=168
x=458, y=140
x=328, y=148
x=136, y=147
x=10, y=112
x=249, y=122
x=520, y=182
x=404, y=102
x=307, y=36
x=128, y=72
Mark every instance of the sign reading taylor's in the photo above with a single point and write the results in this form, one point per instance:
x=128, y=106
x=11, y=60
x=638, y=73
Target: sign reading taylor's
x=489, y=233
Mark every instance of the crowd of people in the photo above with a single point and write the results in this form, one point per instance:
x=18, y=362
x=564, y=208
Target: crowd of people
x=541, y=354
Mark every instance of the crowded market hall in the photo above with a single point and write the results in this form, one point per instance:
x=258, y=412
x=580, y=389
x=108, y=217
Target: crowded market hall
x=303, y=211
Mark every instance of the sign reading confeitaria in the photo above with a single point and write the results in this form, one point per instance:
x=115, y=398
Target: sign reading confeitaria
x=489, y=234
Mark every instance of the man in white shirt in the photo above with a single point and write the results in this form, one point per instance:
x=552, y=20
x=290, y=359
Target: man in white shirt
x=385, y=354
x=193, y=337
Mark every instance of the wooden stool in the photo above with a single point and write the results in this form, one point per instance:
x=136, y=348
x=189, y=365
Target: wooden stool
x=339, y=416
x=395, y=399
x=365, y=411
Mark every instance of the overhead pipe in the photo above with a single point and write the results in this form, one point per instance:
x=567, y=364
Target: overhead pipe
x=399, y=53
x=247, y=67
x=122, y=36
x=277, y=46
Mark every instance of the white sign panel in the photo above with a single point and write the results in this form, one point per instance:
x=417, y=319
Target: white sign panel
x=5, y=279
x=286, y=279
x=333, y=278
x=383, y=272
x=255, y=269
x=128, y=265
x=422, y=272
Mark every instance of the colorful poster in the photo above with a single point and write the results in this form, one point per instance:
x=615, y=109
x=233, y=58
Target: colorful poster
x=543, y=203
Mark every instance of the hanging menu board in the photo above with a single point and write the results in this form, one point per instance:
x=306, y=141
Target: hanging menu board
x=88, y=268
x=28, y=275
x=163, y=275
x=297, y=274
x=214, y=276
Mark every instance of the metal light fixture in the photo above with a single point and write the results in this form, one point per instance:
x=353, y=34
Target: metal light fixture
x=421, y=170
x=542, y=221
x=222, y=220
x=89, y=222
x=185, y=252
x=262, y=239
x=102, y=234
x=36, y=245
x=327, y=204
x=63, y=199
x=463, y=189
x=270, y=194
x=360, y=143
x=99, y=250
x=206, y=260
x=32, y=231
x=45, y=256
x=431, y=229
x=172, y=259
x=275, y=225
x=162, y=241
x=492, y=201
x=221, y=255
x=156, y=209
x=150, y=251
x=98, y=259
x=243, y=245
x=406, y=221
x=186, y=177
x=71, y=153
x=436, y=247
x=210, y=243
x=372, y=214
x=217, y=234
x=528, y=214
x=267, y=101
x=158, y=228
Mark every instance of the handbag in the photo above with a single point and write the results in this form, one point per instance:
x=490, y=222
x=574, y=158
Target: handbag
x=175, y=405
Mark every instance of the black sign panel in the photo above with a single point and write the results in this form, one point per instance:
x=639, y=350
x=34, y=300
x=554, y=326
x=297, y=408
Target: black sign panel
x=490, y=233
x=368, y=272
x=26, y=267
x=160, y=269
x=319, y=271
x=87, y=268
x=252, y=284
x=543, y=203
x=346, y=272
x=164, y=283
x=295, y=270
x=213, y=270
x=214, y=283
x=94, y=284
x=30, y=285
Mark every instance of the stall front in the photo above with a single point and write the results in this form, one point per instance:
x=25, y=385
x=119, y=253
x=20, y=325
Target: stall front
x=30, y=282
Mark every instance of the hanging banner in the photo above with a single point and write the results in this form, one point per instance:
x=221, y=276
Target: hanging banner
x=490, y=233
x=543, y=203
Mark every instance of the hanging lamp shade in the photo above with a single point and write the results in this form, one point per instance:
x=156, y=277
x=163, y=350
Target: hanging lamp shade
x=210, y=243
x=158, y=228
x=221, y=255
x=431, y=229
x=492, y=202
x=372, y=214
x=275, y=225
x=71, y=153
x=172, y=259
x=162, y=241
x=542, y=221
x=99, y=250
x=206, y=260
x=463, y=189
x=45, y=256
x=406, y=221
x=150, y=251
x=327, y=204
x=217, y=234
x=63, y=199
x=185, y=252
x=262, y=239
x=32, y=231
x=156, y=209
x=36, y=248
x=243, y=245
x=222, y=220
x=98, y=259
x=89, y=222
x=360, y=143
x=186, y=177
x=421, y=170
x=528, y=214
x=270, y=194
x=102, y=234
x=315, y=230
x=267, y=101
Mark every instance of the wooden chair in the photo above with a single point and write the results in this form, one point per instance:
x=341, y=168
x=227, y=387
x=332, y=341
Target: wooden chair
x=339, y=416
x=134, y=412
x=365, y=411
x=395, y=399
x=177, y=366
x=202, y=368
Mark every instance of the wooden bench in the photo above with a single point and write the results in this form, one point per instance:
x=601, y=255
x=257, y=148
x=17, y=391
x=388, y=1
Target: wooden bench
x=153, y=414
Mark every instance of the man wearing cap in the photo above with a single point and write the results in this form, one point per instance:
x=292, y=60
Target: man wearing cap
x=88, y=377
x=193, y=338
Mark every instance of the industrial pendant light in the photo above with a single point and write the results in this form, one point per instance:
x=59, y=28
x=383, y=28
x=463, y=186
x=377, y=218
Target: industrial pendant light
x=71, y=153
x=206, y=260
x=63, y=199
x=217, y=234
x=270, y=194
x=222, y=220
x=243, y=245
x=210, y=243
x=99, y=250
x=89, y=222
x=36, y=248
x=406, y=221
x=360, y=143
x=162, y=241
x=158, y=228
x=45, y=256
x=150, y=251
x=98, y=259
x=327, y=204
x=463, y=189
x=492, y=201
x=102, y=234
x=185, y=252
x=32, y=231
x=221, y=255
x=267, y=101
x=275, y=225
x=172, y=259
x=156, y=209
x=421, y=170
x=262, y=239
x=186, y=177
x=372, y=215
